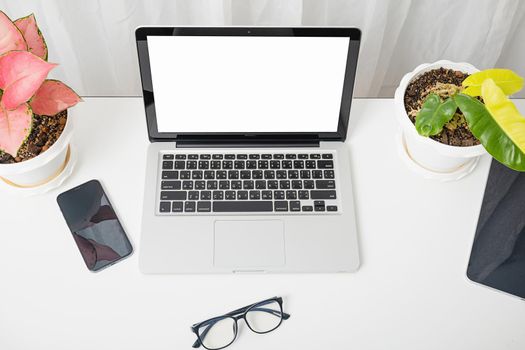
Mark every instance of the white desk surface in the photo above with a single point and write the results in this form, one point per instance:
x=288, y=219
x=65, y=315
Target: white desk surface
x=410, y=292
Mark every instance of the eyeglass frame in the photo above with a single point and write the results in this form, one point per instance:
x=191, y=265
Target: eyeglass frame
x=237, y=315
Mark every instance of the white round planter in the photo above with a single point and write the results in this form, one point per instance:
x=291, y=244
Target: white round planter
x=43, y=168
x=432, y=155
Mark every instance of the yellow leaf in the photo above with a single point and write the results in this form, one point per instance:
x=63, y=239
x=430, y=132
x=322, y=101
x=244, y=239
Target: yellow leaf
x=506, y=79
x=504, y=112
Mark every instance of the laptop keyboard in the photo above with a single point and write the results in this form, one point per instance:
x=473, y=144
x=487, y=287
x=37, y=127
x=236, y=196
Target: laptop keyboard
x=290, y=183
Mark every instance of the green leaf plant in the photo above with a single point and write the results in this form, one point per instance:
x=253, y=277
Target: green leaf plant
x=495, y=121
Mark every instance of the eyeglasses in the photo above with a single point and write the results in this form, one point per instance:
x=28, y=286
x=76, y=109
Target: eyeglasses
x=220, y=332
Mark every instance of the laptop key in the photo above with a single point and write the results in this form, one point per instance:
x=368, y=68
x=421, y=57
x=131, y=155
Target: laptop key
x=304, y=195
x=319, y=206
x=242, y=195
x=310, y=164
x=173, y=195
x=229, y=156
x=167, y=164
x=204, y=206
x=329, y=174
x=171, y=175
x=242, y=156
x=218, y=195
x=236, y=185
x=193, y=195
x=273, y=185
x=281, y=205
x=187, y=185
x=193, y=156
x=185, y=174
x=168, y=156
x=309, y=184
x=331, y=208
x=278, y=194
x=196, y=174
x=308, y=208
x=170, y=185
x=205, y=156
x=266, y=194
x=176, y=207
x=269, y=174
x=180, y=164
x=291, y=194
x=209, y=174
x=221, y=174
x=328, y=156
x=324, y=184
x=325, y=164
x=229, y=195
x=191, y=164
x=323, y=194
x=266, y=156
x=205, y=195
x=204, y=164
x=165, y=207
x=295, y=206
x=180, y=156
x=189, y=207
x=200, y=185
x=233, y=206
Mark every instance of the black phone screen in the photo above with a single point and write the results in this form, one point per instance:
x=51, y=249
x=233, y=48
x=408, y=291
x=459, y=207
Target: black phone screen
x=94, y=225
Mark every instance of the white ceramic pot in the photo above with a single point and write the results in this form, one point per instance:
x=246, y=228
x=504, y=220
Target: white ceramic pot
x=42, y=168
x=428, y=153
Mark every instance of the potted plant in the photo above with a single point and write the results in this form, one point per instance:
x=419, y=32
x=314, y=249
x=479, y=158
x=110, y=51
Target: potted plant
x=451, y=113
x=34, y=125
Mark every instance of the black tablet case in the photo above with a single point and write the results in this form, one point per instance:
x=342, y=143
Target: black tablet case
x=498, y=253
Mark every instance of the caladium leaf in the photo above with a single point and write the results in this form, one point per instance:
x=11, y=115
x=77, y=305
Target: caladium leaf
x=15, y=125
x=497, y=125
x=21, y=74
x=506, y=79
x=53, y=97
x=433, y=115
x=10, y=37
x=32, y=35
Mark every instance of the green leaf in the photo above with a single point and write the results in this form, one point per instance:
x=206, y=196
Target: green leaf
x=433, y=115
x=495, y=132
x=506, y=79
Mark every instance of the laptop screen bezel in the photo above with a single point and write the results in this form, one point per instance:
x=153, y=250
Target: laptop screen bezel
x=142, y=33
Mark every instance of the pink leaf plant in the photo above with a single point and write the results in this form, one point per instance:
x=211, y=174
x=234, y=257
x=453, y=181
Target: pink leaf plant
x=24, y=89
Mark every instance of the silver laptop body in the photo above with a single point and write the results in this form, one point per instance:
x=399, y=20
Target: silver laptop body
x=247, y=170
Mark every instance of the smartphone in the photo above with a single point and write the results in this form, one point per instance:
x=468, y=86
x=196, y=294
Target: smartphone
x=94, y=225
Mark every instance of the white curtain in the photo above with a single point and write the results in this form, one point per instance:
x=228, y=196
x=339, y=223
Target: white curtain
x=93, y=40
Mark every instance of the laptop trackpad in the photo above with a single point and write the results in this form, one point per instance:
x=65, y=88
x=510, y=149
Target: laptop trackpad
x=249, y=244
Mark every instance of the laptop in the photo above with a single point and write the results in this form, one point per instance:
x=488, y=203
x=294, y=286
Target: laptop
x=247, y=170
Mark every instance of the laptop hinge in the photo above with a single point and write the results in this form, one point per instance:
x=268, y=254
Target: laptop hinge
x=245, y=144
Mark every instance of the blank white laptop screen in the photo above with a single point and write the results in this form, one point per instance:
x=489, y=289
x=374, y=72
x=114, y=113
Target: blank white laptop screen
x=247, y=84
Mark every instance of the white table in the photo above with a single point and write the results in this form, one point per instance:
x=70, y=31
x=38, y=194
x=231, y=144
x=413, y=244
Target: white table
x=410, y=293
